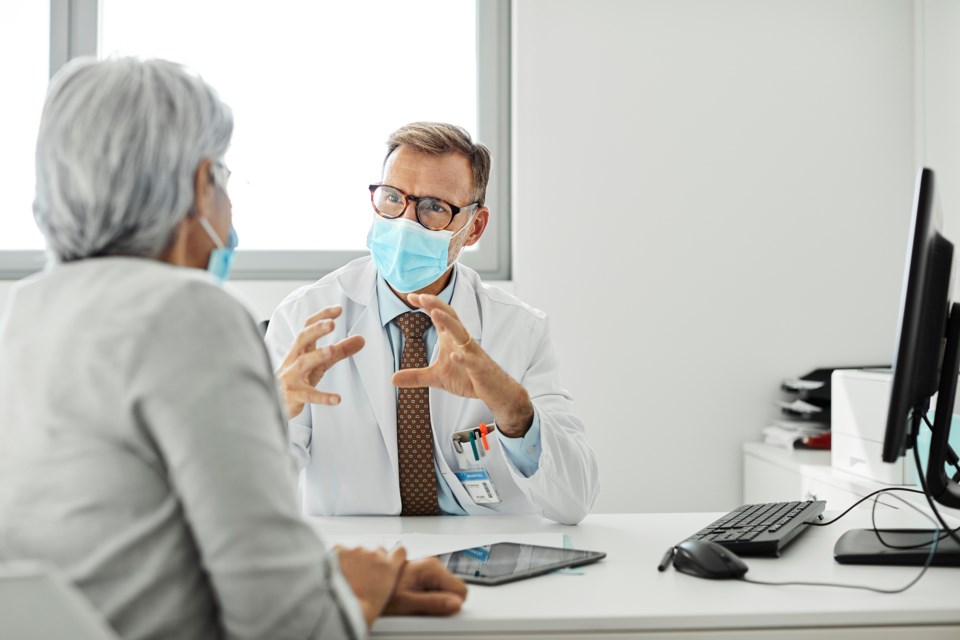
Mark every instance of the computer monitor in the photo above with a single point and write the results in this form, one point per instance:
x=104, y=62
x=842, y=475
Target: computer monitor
x=926, y=362
x=928, y=344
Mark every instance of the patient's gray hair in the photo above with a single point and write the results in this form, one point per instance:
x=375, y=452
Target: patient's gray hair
x=117, y=153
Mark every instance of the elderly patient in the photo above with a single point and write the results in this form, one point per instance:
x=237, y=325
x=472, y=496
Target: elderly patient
x=143, y=447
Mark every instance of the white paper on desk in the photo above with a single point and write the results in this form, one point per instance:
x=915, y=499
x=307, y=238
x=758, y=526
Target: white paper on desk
x=365, y=540
x=422, y=545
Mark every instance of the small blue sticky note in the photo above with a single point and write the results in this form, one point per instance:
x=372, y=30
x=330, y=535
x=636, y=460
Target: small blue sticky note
x=568, y=544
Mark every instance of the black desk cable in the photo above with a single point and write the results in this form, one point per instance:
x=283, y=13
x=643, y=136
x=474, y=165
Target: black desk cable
x=873, y=518
x=938, y=534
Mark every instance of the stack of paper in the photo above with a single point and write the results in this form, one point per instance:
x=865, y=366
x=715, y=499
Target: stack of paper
x=787, y=434
x=804, y=411
x=422, y=545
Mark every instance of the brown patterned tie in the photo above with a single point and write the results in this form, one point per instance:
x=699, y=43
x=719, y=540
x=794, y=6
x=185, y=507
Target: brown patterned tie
x=418, y=480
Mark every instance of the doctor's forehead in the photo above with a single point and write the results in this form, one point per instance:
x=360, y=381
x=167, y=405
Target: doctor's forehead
x=448, y=176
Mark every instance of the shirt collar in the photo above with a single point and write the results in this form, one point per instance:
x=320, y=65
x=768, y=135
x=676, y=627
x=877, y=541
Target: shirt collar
x=392, y=306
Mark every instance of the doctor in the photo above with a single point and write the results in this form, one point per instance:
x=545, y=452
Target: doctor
x=396, y=429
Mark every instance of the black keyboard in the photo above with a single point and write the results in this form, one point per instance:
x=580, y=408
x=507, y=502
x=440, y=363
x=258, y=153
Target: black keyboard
x=762, y=529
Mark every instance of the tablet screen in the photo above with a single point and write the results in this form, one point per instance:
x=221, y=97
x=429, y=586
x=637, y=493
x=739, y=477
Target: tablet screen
x=509, y=561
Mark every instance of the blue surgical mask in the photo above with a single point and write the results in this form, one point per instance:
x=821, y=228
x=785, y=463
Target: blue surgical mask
x=408, y=255
x=221, y=258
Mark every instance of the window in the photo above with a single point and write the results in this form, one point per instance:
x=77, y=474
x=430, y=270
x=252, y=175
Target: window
x=24, y=38
x=316, y=88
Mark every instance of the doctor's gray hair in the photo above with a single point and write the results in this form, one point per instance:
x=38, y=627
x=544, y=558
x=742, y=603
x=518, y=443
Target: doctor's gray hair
x=439, y=138
x=117, y=154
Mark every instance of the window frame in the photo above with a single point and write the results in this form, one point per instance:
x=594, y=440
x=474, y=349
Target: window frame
x=75, y=31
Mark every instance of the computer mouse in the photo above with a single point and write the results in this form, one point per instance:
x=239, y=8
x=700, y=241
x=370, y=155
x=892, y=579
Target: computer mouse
x=706, y=559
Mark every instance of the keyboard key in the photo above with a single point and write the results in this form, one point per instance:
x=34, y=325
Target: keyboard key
x=761, y=529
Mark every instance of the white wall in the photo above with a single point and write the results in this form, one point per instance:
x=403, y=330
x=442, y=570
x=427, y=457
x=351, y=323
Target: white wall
x=709, y=196
x=940, y=100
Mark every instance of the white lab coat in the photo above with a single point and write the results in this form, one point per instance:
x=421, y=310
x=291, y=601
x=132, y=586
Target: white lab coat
x=349, y=451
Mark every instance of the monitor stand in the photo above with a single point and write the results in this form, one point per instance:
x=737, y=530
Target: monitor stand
x=861, y=546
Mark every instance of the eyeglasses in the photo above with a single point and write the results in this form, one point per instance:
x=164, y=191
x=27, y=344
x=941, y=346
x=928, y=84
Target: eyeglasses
x=433, y=213
x=221, y=174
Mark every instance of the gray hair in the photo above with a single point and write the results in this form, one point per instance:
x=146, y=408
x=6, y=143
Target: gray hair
x=439, y=138
x=117, y=153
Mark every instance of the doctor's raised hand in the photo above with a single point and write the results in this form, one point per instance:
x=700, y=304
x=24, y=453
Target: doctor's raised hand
x=464, y=369
x=306, y=363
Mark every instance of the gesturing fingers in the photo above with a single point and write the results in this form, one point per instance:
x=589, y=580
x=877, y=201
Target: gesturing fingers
x=316, y=326
x=345, y=348
x=316, y=363
x=302, y=394
x=449, y=326
x=300, y=374
x=306, y=341
x=328, y=313
x=414, y=378
x=429, y=303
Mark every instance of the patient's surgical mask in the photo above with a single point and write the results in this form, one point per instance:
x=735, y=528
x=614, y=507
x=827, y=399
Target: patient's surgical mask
x=410, y=256
x=221, y=258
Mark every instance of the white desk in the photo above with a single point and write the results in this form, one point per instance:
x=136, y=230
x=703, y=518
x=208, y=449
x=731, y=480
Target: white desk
x=624, y=596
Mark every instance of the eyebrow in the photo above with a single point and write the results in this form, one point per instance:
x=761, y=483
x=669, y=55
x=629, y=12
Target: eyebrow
x=413, y=195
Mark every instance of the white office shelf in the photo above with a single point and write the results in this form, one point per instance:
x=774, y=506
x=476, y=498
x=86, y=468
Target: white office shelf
x=774, y=474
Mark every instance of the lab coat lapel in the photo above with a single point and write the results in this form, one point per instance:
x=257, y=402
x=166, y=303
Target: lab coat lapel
x=375, y=361
x=465, y=303
x=446, y=410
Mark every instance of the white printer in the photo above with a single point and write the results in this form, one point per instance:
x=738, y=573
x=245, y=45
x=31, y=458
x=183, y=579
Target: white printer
x=859, y=400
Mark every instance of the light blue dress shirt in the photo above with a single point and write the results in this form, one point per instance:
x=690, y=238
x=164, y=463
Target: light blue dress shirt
x=523, y=452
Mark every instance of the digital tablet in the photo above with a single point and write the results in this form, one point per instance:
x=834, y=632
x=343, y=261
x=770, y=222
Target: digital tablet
x=508, y=561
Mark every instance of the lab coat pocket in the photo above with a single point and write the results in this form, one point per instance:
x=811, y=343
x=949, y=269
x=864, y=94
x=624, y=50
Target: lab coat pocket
x=496, y=465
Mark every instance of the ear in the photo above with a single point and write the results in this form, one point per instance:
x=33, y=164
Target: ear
x=203, y=190
x=478, y=224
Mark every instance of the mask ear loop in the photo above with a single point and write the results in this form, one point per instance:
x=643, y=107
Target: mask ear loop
x=469, y=222
x=210, y=232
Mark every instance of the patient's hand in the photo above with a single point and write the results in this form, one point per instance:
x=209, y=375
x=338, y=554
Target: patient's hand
x=372, y=576
x=306, y=363
x=426, y=587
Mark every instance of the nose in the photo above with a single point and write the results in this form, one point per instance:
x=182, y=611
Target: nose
x=410, y=211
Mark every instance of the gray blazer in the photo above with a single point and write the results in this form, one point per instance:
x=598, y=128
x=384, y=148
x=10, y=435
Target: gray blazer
x=142, y=450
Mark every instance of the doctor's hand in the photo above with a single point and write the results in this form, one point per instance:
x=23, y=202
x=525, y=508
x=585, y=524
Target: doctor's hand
x=306, y=363
x=464, y=369
x=426, y=587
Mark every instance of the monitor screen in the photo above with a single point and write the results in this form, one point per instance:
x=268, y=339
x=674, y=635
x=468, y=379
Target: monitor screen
x=926, y=358
x=926, y=362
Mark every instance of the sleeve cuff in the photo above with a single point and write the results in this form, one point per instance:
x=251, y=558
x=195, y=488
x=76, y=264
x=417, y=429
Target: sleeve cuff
x=524, y=452
x=349, y=605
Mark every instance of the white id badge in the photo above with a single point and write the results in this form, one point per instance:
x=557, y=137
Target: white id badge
x=471, y=447
x=478, y=484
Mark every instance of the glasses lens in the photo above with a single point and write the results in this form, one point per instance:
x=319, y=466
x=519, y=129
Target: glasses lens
x=221, y=175
x=389, y=201
x=434, y=214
